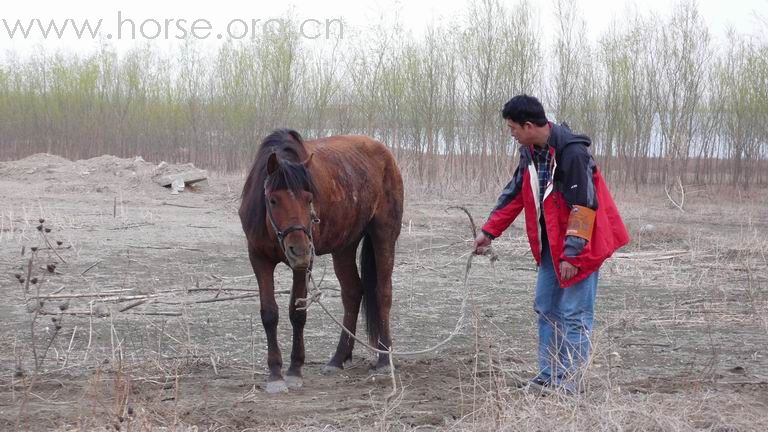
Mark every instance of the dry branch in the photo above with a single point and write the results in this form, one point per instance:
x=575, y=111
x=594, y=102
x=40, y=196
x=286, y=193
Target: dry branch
x=90, y=267
x=181, y=205
x=166, y=248
x=682, y=195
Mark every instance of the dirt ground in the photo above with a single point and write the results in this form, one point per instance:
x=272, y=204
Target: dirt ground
x=150, y=320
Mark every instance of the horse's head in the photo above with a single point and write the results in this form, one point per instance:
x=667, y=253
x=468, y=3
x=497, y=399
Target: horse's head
x=288, y=191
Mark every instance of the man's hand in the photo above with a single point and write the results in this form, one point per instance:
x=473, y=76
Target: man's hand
x=567, y=270
x=481, y=243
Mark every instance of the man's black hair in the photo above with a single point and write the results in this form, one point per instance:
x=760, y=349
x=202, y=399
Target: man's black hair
x=523, y=108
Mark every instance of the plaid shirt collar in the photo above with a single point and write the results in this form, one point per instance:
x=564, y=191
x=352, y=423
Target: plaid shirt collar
x=543, y=160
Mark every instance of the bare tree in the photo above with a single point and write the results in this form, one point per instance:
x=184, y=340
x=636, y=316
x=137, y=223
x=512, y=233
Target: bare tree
x=662, y=102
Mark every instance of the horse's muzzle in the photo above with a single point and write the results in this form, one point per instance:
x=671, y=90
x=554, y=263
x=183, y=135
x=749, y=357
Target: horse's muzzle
x=298, y=257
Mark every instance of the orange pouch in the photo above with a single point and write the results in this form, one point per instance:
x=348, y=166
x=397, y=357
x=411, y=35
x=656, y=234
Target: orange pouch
x=581, y=222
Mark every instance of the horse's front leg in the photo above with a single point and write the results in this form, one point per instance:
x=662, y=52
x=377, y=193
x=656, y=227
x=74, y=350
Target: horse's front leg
x=264, y=271
x=298, y=319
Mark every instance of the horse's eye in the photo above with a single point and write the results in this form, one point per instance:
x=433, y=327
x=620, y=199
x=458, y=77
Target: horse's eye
x=273, y=201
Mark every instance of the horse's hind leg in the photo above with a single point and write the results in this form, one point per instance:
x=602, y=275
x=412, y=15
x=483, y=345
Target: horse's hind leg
x=345, y=267
x=298, y=319
x=384, y=231
x=384, y=251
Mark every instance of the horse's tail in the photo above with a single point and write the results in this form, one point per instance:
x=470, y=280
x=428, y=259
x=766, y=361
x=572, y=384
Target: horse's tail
x=370, y=297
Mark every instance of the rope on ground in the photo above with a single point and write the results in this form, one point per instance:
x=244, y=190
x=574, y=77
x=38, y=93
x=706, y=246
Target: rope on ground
x=315, y=296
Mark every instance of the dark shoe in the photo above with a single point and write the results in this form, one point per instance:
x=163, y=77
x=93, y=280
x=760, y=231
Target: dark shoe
x=539, y=382
x=539, y=386
x=570, y=389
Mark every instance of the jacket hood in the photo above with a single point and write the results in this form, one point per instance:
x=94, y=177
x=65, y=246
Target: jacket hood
x=561, y=137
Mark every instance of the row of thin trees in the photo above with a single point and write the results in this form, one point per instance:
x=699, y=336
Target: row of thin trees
x=661, y=97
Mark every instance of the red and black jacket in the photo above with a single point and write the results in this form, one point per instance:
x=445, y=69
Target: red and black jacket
x=576, y=182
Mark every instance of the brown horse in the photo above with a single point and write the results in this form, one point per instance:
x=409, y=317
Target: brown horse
x=303, y=199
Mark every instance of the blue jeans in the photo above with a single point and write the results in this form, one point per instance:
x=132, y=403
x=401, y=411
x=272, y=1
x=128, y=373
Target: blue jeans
x=565, y=323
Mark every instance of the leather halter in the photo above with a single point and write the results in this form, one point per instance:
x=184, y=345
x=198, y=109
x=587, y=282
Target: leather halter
x=282, y=234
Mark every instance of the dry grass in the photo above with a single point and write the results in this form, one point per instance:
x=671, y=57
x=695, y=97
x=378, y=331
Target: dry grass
x=683, y=314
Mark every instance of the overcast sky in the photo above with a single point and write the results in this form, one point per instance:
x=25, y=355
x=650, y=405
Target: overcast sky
x=746, y=16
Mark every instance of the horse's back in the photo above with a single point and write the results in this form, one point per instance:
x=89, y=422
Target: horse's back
x=351, y=146
x=356, y=156
x=358, y=181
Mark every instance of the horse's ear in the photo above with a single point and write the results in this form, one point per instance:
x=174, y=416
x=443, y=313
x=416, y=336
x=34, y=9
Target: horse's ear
x=307, y=162
x=272, y=164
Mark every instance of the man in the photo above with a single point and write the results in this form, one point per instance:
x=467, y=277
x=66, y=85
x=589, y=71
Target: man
x=572, y=225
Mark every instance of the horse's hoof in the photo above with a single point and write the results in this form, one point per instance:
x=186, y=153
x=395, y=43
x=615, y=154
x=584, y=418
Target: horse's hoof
x=329, y=370
x=380, y=370
x=275, y=387
x=294, y=382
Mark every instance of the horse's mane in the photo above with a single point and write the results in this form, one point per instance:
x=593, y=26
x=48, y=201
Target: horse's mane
x=291, y=175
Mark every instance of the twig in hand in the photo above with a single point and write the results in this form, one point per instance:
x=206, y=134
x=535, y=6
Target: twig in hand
x=488, y=251
x=472, y=224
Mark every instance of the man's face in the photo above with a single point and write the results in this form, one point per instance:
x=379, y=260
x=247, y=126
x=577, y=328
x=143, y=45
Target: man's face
x=521, y=133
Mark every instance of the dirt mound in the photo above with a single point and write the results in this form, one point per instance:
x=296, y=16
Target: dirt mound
x=109, y=164
x=102, y=174
x=44, y=158
x=37, y=163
